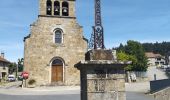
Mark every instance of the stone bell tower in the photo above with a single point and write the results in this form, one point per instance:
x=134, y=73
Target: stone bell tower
x=63, y=8
x=55, y=44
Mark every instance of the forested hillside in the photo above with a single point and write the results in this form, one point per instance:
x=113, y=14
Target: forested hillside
x=161, y=48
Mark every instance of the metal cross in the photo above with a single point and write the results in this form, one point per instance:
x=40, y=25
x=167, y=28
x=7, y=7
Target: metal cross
x=97, y=38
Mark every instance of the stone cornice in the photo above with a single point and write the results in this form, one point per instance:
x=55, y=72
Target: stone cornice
x=57, y=16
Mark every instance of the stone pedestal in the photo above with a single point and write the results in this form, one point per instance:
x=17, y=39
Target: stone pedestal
x=102, y=79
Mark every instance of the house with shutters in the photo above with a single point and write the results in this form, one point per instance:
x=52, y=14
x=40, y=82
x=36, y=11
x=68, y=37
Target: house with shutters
x=3, y=66
x=155, y=59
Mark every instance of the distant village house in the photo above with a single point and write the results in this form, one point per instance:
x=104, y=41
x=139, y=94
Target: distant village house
x=155, y=59
x=3, y=66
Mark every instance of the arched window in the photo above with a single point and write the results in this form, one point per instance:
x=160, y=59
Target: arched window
x=56, y=8
x=49, y=7
x=65, y=9
x=58, y=36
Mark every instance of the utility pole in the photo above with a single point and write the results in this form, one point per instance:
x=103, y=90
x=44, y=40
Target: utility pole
x=17, y=69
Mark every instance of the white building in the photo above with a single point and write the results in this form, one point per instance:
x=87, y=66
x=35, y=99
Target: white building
x=155, y=59
x=3, y=66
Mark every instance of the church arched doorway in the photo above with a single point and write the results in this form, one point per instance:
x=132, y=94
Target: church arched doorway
x=57, y=70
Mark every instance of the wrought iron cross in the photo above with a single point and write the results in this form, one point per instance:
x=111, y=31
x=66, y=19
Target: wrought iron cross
x=97, y=38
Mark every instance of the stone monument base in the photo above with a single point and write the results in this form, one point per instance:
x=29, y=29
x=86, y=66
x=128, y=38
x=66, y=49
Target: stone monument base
x=102, y=79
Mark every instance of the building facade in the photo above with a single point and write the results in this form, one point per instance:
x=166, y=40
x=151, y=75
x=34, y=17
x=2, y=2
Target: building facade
x=3, y=67
x=55, y=44
x=155, y=59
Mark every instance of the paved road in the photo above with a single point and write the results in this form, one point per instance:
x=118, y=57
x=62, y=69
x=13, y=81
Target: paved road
x=40, y=97
x=130, y=96
x=134, y=91
x=137, y=96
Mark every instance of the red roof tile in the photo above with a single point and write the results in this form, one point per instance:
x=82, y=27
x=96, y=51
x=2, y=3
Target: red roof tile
x=152, y=55
x=3, y=60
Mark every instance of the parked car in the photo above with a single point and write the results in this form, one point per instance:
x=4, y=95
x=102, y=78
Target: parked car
x=11, y=78
x=168, y=69
x=164, y=67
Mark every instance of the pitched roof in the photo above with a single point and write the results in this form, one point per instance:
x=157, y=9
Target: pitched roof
x=4, y=60
x=152, y=55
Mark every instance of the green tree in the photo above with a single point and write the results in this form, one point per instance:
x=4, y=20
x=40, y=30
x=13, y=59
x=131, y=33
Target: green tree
x=121, y=48
x=12, y=67
x=122, y=56
x=20, y=65
x=136, y=49
x=136, y=52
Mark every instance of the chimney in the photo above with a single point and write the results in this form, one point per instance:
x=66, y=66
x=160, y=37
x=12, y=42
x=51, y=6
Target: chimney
x=2, y=54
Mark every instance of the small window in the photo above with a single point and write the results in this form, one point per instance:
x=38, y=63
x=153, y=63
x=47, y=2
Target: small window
x=3, y=64
x=4, y=68
x=56, y=8
x=57, y=62
x=65, y=9
x=49, y=7
x=58, y=36
x=159, y=59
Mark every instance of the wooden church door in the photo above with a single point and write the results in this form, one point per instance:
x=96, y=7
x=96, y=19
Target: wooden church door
x=57, y=71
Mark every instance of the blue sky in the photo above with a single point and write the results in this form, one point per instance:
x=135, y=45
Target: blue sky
x=140, y=20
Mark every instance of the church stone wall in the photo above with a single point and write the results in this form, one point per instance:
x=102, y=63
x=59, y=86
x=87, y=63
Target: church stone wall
x=40, y=49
